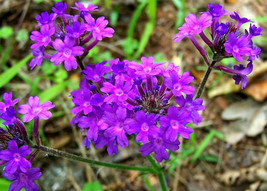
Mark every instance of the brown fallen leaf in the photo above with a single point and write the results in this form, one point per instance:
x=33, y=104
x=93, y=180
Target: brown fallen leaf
x=257, y=90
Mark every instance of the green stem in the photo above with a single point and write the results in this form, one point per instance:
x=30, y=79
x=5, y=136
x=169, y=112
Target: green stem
x=70, y=156
x=159, y=173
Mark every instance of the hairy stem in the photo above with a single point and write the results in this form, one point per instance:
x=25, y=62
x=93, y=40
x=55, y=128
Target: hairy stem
x=204, y=80
x=70, y=156
x=159, y=173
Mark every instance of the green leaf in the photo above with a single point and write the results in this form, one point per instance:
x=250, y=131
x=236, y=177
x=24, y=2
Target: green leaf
x=4, y=184
x=6, y=32
x=94, y=186
x=11, y=72
x=210, y=158
x=22, y=35
x=204, y=143
x=53, y=91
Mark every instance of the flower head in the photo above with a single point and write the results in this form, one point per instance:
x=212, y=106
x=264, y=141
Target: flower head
x=35, y=109
x=8, y=102
x=42, y=38
x=60, y=8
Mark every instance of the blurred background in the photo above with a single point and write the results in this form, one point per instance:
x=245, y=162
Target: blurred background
x=227, y=151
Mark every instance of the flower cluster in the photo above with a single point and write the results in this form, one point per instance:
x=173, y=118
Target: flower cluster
x=15, y=153
x=70, y=36
x=121, y=98
x=227, y=40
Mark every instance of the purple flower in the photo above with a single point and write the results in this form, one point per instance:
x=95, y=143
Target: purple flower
x=9, y=116
x=66, y=52
x=46, y=19
x=174, y=123
x=110, y=142
x=222, y=28
x=178, y=84
x=96, y=72
x=15, y=157
x=76, y=30
x=60, y=8
x=146, y=67
x=238, y=47
x=117, y=126
x=97, y=28
x=240, y=73
x=216, y=11
x=159, y=146
x=240, y=21
x=8, y=102
x=38, y=54
x=80, y=7
x=82, y=99
x=118, y=93
x=144, y=125
x=35, y=109
x=190, y=106
x=254, y=31
x=42, y=38
x=24, y=180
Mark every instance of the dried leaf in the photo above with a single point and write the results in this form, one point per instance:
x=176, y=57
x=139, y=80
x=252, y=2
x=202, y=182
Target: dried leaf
x=257, y=90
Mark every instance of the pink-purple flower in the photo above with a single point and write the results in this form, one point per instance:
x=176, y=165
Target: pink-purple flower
x=35, y=109
x=66, y=52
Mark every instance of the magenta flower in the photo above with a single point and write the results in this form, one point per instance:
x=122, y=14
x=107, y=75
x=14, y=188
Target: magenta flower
x=238, y=47
x=38, y=54
x=97, y=28
x=66, y=53
x=15, y=157
x=147, y=67
x=42, y=38
x=178, y=84
x=76, y=30
x=24, y=179
x=193, y=26
x=46, y=19
x=35, y=109
x=216, y=11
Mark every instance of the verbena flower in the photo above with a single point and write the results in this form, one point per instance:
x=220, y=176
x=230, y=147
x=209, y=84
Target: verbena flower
x=227, y=39
x=46, y=19
x=98, y=27
x=66, y=53
x=80, y=7
x=35, y=109
x=15, y=157
x=8, y=102
x=24, y=179
x=42, y=38
x=127, y=99
x=60, y=8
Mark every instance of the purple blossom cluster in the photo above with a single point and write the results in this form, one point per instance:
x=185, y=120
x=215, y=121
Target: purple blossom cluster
x=15, y=153
x=227, y=40
x=70, y=36
x=121, y=98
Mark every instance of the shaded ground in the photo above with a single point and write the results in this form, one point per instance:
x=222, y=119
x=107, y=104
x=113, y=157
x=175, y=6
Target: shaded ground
x=229, y=164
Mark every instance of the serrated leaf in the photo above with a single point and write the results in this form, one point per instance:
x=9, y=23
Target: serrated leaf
x=11, y=72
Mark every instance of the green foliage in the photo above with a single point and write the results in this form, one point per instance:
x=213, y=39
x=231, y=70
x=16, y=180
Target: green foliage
x=97, y=57
x=4, y=184
x=94, y=186
x=181, y=13
x=11, y=72
x=22, y=35
x=6, y=32
x=114, y=15
x=53, y=91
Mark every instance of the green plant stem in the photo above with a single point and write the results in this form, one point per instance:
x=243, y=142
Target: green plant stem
x=159, y=173
x=204, y=80
x=70, y=156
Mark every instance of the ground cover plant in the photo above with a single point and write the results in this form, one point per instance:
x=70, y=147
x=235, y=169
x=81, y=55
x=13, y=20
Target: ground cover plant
x=118, y=102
